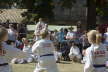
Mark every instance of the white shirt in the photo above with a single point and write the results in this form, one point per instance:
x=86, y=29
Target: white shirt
x=11, y=53
x=106, y=36
x=43, y=47
x=27, y=49
x=57, y=55
x=70, y=35
x=74, y=50
x=95, y=55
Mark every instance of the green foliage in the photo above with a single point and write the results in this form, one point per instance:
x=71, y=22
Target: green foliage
x=102, y=8
x=99, y=12
x=37, y=9
x=68, y=4
x=44, y=8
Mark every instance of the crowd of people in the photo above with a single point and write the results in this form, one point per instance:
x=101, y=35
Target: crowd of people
x=50, y=47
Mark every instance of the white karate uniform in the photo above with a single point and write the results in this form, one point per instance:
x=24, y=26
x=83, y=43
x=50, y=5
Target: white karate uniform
x=31, y=56
x=95, y=58
x=106, y=38
x=27, y=49
x=58, y=55
x=40, y=26
x=10, y=54
x=45, y=62
x=75, y=52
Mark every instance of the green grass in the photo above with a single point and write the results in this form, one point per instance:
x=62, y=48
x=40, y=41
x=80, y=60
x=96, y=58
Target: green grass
x=63, y=67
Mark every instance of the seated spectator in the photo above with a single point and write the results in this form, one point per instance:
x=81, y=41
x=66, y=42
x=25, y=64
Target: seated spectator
x=75, y=54
x=65, y=51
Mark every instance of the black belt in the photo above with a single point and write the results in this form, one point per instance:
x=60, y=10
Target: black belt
x=4, y=64
x=98, y=66
x=47, y=55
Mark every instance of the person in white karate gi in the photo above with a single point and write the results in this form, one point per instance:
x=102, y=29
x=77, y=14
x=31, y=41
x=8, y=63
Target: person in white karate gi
x=44, y=48
x=75, y=54
x=28, y=49
x=58, y=55
x=106, y=38
x=7, y=52
x=95, y=54
x=39, y=27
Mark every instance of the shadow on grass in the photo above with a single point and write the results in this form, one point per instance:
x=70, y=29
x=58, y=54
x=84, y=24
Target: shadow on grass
x=64, y=63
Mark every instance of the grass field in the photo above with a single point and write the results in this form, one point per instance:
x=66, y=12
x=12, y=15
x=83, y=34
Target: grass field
x=63, y=67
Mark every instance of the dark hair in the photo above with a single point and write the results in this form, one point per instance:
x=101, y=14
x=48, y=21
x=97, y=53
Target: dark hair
x=72, y=42
x=3, y=32
x=11, y=25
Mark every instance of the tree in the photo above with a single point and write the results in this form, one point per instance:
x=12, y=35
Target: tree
x=44, y=8
x=38, y=8
x=4, y=4
x=102, y=8
x=68, y=4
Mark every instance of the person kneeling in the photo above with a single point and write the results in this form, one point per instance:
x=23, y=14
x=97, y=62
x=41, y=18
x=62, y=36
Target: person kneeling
x=75, y=54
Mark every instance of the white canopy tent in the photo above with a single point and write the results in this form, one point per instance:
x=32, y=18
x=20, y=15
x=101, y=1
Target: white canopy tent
x=13, y=15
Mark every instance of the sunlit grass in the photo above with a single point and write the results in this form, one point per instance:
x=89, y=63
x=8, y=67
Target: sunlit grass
x=63, y=67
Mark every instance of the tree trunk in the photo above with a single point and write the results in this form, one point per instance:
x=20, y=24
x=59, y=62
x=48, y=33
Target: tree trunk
x=91, y=15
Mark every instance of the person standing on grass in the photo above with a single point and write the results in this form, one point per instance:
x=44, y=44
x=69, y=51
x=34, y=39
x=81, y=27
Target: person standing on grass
x=96, y=54
x=75, y=54
x=7, y=52
x=44, y=49
x=12, y=33
x=41, y=25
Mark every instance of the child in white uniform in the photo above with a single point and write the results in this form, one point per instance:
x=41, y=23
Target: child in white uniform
x=95, y=54
x=58, y=55
x=106, y=39
x=7, y=52
x=45, y=50
x=75, y=54
x=28, y=49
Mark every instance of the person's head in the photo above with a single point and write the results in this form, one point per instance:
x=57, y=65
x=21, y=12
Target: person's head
x=25, y=41
x=79, y=22
x=11, y=26
x=65, y=30
x=94, y=37
x=61, y=30
x=107, y=29
x=44, y=34
x=73, y=43
x=30, y=42
x=40, y=19
x=85, y=32
x=70, y=29
x=3, y=34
